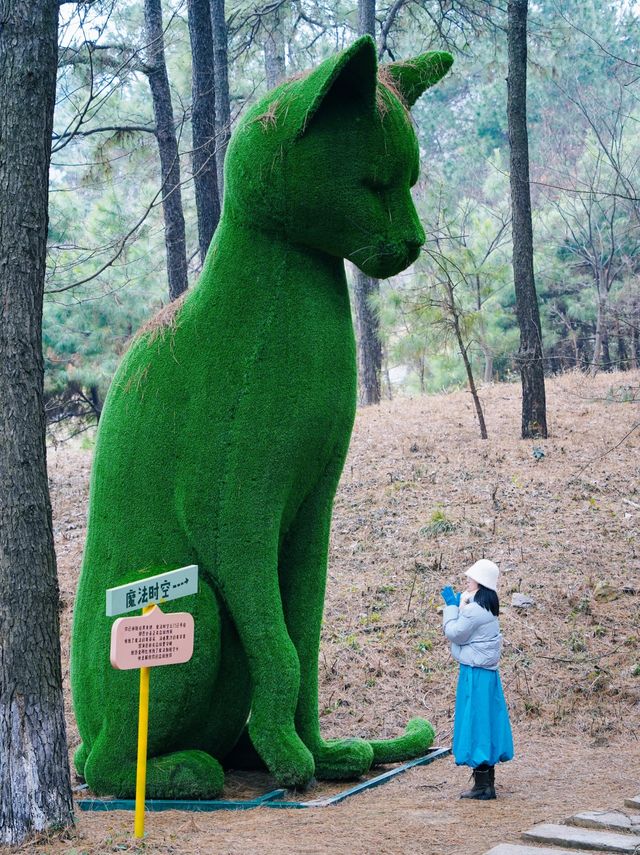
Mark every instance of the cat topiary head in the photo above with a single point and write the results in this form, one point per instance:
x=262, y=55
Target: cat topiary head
x=327, y=160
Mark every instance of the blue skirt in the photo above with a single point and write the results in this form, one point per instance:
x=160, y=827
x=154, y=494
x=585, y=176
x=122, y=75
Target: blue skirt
x=481, y=731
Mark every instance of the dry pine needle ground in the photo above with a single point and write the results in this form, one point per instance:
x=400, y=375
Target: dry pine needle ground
x=421, y=498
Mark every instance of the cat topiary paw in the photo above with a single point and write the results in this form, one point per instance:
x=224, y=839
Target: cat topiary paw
x=294, y=772
x=184, y=775
x=342, y=759
x=179, y=775
x=287, y=757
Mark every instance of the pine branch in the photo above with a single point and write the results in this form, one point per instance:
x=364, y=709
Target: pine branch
x=148, y=129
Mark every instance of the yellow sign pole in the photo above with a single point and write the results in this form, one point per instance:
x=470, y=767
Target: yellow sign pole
x=143, y=730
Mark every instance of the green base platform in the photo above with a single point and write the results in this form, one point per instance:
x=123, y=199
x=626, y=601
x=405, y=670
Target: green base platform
x=272, y=799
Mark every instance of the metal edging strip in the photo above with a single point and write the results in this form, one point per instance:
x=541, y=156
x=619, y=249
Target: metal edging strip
x=365, y=785
x=268, y=800
x=200, y=805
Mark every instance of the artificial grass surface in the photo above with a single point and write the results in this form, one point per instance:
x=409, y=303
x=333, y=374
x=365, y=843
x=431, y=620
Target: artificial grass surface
x=224, y=435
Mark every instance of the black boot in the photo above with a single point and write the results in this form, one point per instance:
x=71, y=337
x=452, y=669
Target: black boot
x=483, y=788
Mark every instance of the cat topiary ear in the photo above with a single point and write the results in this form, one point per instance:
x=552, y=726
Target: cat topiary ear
x=351, y=73
x=415, y=75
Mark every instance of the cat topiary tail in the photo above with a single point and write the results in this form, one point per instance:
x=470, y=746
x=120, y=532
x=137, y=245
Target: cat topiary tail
x=417, y=739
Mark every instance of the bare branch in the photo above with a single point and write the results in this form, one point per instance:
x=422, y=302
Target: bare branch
x=386, y=26
x=122, y=243
x=599, y=44
x=148, y=129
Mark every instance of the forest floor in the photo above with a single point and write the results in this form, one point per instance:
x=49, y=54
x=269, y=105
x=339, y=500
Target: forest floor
x=421, y=498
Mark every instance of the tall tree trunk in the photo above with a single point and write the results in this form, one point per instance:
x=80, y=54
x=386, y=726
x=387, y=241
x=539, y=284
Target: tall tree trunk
x=576, y=349
x=584, y=352
x=174, y=232
x=96, y=403
x=387, y=376
x=572, y=333
x=203, y=122
x=635, y=347
x=221, y=74
x=422, y=373
x=601, y=322
x=367, y=18
x=366, y=288
x=623, y=354
x=274, y=51
x=369, y=346
x=488, y=363
x=606, y=354
x=482, y=337
x=534, y=413
x=35, y=790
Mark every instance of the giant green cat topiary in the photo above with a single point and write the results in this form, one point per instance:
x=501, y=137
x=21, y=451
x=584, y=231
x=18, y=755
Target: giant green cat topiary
x=224, y=435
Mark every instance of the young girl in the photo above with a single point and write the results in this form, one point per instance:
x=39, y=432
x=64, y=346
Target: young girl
x=481, y=731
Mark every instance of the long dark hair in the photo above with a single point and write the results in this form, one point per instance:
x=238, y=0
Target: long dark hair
x=488, y=599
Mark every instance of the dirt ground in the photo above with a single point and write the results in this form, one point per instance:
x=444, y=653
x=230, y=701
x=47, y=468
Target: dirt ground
x=421, y=498
x=419, y=813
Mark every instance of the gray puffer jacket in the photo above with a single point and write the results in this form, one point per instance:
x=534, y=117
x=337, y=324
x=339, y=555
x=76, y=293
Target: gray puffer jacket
x=474, y=634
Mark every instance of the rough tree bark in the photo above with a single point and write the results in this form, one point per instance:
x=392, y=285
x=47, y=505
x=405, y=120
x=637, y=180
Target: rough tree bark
x=221, y=75
x=174, y=231
x=274, y=51
x=35, y=790
x=534, y=415
x=203, y=122
x=367, y=18
x=366, y=288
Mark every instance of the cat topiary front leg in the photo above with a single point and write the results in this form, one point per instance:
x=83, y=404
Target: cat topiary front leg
x=242, y=550
x=303, y=570
x=252, y=596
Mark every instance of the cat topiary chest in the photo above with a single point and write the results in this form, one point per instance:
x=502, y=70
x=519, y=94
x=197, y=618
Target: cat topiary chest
x=306, y=360
x=280, y=320
x=314, y=329
x=267, y=343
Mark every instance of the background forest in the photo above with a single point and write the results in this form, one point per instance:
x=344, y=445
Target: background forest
x=108, y=267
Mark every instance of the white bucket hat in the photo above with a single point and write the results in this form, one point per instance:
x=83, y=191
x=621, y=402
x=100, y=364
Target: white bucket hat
x=484, y=572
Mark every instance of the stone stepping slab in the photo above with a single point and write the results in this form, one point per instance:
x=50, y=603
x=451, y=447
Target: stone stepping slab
x=614, y=820
x=517, y=849
x=633, y=803
x=583, y=838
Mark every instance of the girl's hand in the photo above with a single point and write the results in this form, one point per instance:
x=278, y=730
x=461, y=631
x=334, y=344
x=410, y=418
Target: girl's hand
x=448, y=595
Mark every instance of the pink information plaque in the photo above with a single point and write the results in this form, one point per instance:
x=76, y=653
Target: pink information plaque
x=152, y=639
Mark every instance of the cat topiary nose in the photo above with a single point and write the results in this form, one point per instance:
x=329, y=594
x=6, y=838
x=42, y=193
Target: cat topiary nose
x=414, y=245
